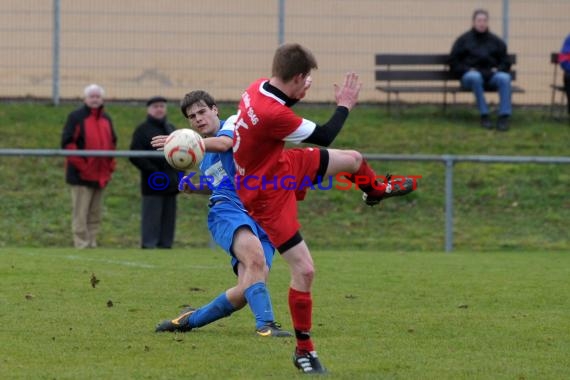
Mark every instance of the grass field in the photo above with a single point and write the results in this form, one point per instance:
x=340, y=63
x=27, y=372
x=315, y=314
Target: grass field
x=497, y=207
x=387, y=303
x=465, y=315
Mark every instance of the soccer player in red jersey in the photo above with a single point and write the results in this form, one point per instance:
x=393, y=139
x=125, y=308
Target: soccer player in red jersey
x=265, y=123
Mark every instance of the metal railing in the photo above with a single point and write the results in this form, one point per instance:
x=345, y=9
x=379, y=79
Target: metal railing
x=447, y=159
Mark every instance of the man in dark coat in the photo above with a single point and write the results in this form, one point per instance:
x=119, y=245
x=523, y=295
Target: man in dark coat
x=159, y=181
x=479, y=59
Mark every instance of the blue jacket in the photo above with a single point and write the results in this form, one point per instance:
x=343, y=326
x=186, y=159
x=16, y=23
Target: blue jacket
x=565, y=64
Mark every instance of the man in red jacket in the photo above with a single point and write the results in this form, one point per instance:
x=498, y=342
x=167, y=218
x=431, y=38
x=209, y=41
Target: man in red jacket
x=88, y=128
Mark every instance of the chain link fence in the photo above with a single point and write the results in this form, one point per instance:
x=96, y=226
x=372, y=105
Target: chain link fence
x=136, y=49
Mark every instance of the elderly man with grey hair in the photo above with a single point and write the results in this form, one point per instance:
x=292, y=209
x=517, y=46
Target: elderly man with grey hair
x=88, y=128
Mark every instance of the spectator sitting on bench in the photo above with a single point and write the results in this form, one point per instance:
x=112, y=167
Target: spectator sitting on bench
x=564, y=60
x=479, y=59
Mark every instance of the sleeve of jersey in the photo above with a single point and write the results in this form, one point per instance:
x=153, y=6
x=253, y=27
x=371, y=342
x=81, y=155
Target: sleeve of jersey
x=228, y=127
x=294, y=128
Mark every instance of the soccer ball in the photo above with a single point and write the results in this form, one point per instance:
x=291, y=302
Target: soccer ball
x=184, y=149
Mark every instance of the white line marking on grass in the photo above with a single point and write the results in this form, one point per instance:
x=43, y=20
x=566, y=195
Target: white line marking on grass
x=80, y=258
x=118, y=262
x=125, y=263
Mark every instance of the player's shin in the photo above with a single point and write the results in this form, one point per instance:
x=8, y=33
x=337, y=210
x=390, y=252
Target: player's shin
x=219, y=308
x=301, y=307
x=259, y=301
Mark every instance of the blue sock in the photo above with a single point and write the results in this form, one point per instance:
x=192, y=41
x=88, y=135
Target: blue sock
x=219, y=308
x=257, y=297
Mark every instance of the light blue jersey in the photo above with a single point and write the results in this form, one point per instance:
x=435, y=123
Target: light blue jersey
x=219, y=171
x=227, y=213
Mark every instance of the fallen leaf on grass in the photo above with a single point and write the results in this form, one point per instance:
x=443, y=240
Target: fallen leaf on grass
x=94, y=280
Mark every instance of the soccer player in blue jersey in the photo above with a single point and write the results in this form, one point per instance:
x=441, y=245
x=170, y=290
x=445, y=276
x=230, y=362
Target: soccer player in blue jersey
x=230, y=225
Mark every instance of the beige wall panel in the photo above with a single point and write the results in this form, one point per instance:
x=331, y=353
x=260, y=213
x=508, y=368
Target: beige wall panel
x=138, y=48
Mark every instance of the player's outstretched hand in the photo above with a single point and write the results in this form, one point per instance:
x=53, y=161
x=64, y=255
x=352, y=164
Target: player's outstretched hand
x=347, y=94
x=157, y=142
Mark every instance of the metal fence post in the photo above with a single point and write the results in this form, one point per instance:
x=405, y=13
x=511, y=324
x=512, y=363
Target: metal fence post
x=55, y=52
x=506, y=21
x=448, y=203
x=281, y=22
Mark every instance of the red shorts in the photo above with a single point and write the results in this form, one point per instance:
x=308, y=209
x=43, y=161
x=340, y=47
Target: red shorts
x=274, y=206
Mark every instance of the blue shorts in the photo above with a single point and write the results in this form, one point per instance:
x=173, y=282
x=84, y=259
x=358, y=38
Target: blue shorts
x=225, y=218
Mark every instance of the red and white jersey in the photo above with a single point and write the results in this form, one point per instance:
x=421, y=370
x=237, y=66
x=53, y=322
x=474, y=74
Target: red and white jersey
x=265, y=122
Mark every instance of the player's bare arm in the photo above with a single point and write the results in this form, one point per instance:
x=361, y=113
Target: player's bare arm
x=213, y=144
x=218, y=144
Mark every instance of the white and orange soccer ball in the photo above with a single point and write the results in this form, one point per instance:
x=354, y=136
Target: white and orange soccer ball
x=184, y=149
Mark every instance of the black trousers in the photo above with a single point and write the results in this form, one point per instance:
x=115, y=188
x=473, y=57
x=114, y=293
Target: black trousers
x=567, y=88
x=158, y=221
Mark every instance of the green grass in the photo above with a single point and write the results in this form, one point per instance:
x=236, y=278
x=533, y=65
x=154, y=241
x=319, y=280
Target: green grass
x=386, y=306
x=466, y=315
x=497, y=207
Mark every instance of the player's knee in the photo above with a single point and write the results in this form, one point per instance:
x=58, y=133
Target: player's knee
x=307, y=273
x=252, y=260
x=354, y=158
x=253, y=263
x=257, y=263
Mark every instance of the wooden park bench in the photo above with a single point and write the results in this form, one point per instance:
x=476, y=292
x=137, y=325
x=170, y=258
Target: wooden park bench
x=421, y=74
